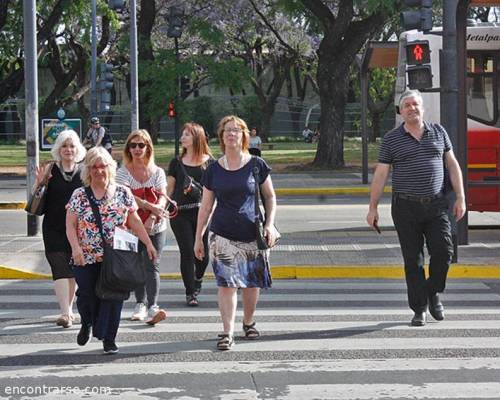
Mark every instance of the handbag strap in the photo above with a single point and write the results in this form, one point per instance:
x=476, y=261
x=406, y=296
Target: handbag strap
x=183, y=168
x=255, y=172
x=95, y=210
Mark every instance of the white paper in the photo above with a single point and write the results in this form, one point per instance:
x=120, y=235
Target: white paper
x=124, y=240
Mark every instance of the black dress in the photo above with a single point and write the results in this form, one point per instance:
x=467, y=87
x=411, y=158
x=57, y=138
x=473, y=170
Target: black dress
x=57, y=248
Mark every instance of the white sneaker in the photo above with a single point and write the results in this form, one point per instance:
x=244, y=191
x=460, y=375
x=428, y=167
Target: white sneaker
x=155, y=315
x=140, y=312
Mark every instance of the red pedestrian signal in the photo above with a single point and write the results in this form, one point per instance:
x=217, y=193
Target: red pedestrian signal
x=418, y=52
x=171, y=109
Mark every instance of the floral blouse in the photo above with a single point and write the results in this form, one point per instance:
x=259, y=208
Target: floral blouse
x=114, y=212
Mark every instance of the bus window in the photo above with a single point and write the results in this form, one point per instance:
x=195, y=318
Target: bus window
x=480, y=87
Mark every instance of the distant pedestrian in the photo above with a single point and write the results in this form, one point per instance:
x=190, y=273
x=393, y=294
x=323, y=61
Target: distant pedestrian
x=255, y=143
x=184, y=176
x=148, y=184
x=417, y=151
x=64, y=179
x=117, y=208
x=236, y=260
x=307, y=134
x=98, y=136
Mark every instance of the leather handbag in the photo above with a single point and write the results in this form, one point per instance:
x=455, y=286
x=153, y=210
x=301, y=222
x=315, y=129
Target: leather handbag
x=190, y=187
x=36, y=202
x=259, y=218
x=149, y=194
x=121, y=271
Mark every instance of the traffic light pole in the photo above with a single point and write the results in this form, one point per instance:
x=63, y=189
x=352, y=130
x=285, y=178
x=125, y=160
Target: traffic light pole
x=449, y=103
x=134, y=88
x=31, y=98
x=93, y=65
x=177, y=98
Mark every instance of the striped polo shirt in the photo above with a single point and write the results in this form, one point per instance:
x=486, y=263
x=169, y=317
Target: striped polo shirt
x=417, y=165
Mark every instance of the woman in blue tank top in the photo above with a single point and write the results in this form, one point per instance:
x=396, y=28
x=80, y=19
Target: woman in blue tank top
x=236, y=260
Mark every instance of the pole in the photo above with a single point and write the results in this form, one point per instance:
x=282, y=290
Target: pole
x=177, y=98
x=449, y=101
x=31, y=98
x=93, y=65
x=134, y=86
x=364, y=127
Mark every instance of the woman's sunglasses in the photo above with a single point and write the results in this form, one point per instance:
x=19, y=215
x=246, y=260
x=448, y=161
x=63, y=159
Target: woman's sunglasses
x=134, y=145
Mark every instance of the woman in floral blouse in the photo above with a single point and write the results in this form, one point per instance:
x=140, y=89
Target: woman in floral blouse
x=118, y=209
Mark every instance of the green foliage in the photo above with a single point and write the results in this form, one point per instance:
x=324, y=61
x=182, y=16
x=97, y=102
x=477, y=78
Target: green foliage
x=200, y=111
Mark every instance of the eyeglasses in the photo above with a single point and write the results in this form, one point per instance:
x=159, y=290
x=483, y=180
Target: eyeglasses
x=235, y=130
x=100, y=166
x=133, y=145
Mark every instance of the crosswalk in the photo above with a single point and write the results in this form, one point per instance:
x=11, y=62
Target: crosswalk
x=343, y=339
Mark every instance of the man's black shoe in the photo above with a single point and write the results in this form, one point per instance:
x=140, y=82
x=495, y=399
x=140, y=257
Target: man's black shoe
x=418, y=319
x=109, y=347
x=436, y=307
x=83, y=336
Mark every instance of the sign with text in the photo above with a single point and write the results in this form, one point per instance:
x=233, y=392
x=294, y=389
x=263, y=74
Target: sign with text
x=52, y=127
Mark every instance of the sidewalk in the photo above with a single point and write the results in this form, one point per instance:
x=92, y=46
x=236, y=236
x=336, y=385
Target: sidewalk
x=343, y=253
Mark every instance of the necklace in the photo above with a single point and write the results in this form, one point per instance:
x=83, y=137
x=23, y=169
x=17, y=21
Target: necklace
x=226, y=165
x=67, y=175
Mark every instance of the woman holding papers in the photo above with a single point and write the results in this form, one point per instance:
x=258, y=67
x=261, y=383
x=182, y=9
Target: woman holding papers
x=149, y=187
x=118, y=209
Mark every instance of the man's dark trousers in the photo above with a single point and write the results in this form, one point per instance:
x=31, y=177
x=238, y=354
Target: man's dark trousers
x=414, y=221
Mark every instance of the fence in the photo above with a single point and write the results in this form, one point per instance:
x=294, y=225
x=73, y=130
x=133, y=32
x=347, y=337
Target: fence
x=288, y=119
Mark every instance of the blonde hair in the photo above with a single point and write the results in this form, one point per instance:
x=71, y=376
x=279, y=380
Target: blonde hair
x=62, y=138
x=200, y=145
x=95, y=154
x=150, y=154
x=238, y=122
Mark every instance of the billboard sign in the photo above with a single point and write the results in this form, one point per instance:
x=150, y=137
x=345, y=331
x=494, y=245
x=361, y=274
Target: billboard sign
x=52, y=127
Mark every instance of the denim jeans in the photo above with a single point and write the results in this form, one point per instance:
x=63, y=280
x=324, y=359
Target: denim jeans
x=414, y=222
x=152, y=287
x=102, y=315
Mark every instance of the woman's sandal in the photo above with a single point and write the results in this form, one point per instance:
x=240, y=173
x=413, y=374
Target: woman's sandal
x=250, y=331
x=225, y=341
x=191, y=300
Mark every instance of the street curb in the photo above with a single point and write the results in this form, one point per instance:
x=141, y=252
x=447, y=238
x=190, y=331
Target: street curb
x=457, y=271
x=317, y=191
x=322, y=191
x=13, y=205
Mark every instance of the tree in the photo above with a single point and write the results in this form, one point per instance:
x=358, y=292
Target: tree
x=345, y=26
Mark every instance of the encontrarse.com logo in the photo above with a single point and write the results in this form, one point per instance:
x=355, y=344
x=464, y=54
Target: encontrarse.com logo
x=56, y=390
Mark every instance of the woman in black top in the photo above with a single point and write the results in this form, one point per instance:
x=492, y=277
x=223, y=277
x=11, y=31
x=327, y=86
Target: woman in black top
x=184, y=175
x=64, y=178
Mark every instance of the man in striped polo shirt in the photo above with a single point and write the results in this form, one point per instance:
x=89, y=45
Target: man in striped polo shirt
x=416, y=151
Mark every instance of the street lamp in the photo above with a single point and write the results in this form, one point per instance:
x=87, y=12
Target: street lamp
x=175, y=25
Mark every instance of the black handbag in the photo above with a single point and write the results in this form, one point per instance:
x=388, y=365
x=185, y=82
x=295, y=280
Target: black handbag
x=121, y=271
x=190, y=187
x=36, y=202
x=259, y=219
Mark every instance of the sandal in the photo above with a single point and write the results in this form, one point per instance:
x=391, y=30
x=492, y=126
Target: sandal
x=191, y=300
x=197, y=286
x=225, y=341
x=250, y=331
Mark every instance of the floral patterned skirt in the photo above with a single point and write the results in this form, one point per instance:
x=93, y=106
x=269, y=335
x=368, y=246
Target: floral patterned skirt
x=239, y=264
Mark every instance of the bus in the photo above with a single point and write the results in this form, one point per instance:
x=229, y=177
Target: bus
x=483, y=107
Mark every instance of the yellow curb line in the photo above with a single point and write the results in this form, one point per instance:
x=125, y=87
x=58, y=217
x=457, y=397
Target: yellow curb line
x=15, y=205
x=318, y=191
x=457, y=271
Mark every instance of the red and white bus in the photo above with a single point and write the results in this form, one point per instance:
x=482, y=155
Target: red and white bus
x=483, y=106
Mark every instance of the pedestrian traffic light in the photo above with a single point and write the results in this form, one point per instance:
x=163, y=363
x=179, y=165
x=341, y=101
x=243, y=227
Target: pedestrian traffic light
x=116, y=4
x=421, y=19
x=175, y=22
x=105, y=86
x=418, y=58
x=171, y=109
x=185, y=87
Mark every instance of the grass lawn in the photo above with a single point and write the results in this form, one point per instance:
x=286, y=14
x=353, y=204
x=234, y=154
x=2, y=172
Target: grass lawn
x=285, y=155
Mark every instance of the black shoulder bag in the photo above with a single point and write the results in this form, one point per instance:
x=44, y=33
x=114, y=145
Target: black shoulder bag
x=190, y=187
x=259, y=219
x=121, y=271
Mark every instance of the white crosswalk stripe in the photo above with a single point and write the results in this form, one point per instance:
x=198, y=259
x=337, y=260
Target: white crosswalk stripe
x=320, y=339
